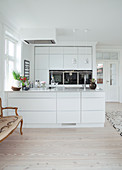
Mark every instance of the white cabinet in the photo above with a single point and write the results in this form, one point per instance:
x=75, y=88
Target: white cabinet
x=56, y=50
x=68, y=107
x=85, y=50
x=93, y=107
x=70, y=50
x=56, y=62
x=41, y=62
x=36, y=108
x=42, y=75
x=42, y=50
x=70, y=62
x=84, y=62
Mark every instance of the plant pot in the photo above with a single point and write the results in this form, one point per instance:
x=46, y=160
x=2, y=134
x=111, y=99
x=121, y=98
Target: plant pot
x=16, y=83
x=93, y=86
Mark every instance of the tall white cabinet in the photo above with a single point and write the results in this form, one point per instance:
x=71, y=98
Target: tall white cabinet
x=42, y=56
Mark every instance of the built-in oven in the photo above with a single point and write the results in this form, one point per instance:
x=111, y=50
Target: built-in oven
x=70, y=77
x=55, y=76
x=88, y=75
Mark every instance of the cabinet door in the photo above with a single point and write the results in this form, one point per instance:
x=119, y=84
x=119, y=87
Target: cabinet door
x=41, y=61
x=56, y=50
x=42, y=50
x=70, y=50
x=85, y=50
x=70, y=62
x=84, y=62
x=56, y=62
x=42, y=75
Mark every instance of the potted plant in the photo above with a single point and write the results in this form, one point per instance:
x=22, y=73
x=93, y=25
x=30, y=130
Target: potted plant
x=20, y=80
x=16, y=76
x=92, y=84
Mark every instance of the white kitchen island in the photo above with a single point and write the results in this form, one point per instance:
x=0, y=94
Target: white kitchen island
x=59, y=107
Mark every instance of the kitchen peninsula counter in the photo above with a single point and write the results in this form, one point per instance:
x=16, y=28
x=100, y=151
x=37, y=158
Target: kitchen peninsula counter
x=59, y=107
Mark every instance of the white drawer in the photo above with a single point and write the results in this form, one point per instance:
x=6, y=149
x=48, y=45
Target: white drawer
x=93, y=94
x=68, y=117
x=93, y=104
x=38, y=117
x=68, y=94
x=68, y=104
x=24, y=94
x=33, y=104
x=93, y=117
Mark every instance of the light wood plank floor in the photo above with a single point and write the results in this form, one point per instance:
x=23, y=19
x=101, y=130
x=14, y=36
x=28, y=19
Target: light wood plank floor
x=63, y=149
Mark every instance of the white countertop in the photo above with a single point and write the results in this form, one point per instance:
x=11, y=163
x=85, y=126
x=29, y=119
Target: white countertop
x=58, y=89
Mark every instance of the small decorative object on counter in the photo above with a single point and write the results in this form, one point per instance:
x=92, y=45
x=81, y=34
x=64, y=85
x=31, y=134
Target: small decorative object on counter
x=43, y=84
x=92, y=84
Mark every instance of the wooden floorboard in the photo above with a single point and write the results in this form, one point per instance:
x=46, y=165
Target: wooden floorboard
x=63, y=149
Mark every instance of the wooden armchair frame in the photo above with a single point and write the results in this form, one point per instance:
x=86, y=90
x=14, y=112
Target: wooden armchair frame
x=15, y=108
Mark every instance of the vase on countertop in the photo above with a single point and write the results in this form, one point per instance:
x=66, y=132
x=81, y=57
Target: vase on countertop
x=93, y=85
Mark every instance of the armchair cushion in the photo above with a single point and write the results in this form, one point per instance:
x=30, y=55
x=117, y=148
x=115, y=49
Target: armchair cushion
x=8, y=124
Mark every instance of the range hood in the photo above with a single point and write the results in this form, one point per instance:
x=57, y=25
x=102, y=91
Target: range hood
x=38, y=36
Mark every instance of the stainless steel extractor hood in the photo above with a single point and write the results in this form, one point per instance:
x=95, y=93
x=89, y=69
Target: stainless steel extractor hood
x=38, y=36
x=40, y=41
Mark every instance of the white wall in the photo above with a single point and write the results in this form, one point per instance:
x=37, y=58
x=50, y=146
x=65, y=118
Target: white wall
x=27, y=54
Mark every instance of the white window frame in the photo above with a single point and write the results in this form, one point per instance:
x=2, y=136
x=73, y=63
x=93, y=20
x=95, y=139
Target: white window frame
x=9, y=58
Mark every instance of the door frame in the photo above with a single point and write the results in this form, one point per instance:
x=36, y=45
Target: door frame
x=105, y=63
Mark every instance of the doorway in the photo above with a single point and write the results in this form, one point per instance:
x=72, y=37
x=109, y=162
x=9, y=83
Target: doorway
x=107, y=79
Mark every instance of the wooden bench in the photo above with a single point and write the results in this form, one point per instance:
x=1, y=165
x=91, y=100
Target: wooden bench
x=9, y=123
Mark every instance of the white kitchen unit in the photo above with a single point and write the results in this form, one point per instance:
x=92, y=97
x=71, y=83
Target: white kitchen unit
x=62, y=58
x=42, y=50
x=41, y=62
x=36, y=108
x=56, y=62
x=42, y=75
x=70, y=62
x=56, y=58
x=85, y=50
x=84, y=62
x=68, y=107
x=59, y=107
x=93, y=107
x=70, y=50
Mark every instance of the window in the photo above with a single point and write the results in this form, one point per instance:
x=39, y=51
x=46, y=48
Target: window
x=10, y=61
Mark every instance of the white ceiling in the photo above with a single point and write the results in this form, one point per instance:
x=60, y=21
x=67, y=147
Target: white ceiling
x=103, y=18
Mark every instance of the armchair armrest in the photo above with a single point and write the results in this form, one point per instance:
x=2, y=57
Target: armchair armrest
x=4, y=108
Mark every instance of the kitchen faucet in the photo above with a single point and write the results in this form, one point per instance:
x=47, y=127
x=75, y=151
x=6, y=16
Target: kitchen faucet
x=85, y=82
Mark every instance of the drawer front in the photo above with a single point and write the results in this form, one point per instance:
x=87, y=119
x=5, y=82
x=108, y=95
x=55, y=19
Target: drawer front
x=93, y=117
x=33, y=104
x=68, y=117
x=68, y=104
x=38, y=117
x=93, y=104
x=93, y=94
x=68, y=95
x=31, y=95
